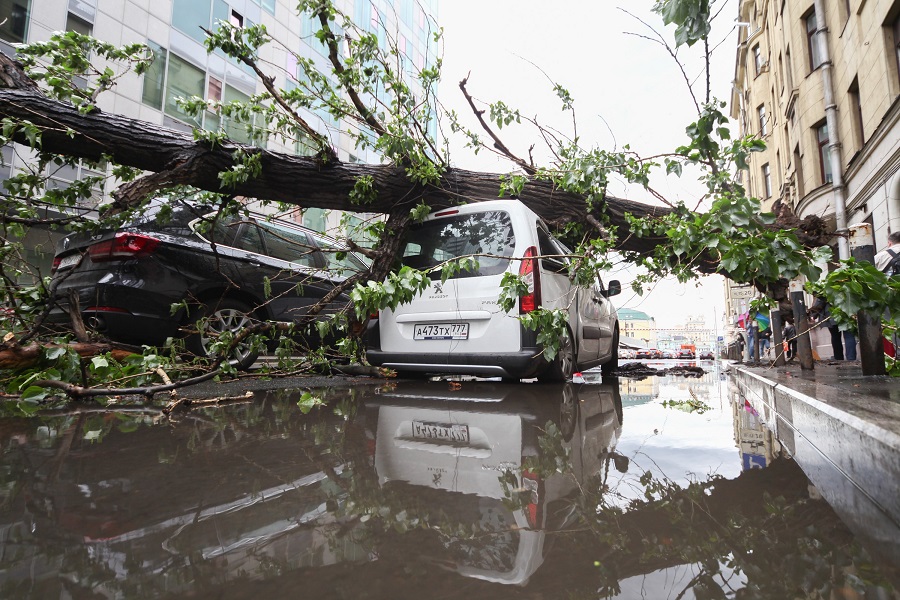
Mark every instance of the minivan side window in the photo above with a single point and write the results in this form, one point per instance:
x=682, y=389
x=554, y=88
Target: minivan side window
x=488, y=236
x=551, y=252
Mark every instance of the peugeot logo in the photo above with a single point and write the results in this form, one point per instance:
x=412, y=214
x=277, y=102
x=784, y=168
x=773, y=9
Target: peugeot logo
x=438, y=287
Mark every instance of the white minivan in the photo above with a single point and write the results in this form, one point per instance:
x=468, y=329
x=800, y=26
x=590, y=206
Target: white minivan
x=457, y=326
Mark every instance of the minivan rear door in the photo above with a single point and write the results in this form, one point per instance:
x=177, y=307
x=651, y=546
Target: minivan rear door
x=461, y=314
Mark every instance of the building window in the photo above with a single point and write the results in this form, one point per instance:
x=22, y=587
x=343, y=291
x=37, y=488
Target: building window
x=896, y=30
x=767, y=180
x=855, y=101
x=815, y=56
x=14, y=16
x=757, y=59
x=236, y=19
x=192, y=16
x=155, y=78
x=798, y=170
x=788, y=70
x=824, y=152
x=763, y=121
x=183, y=80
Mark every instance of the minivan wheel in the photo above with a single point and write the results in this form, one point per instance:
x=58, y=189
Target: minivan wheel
x=563, y=364
x=224, y=316
x=612, y=365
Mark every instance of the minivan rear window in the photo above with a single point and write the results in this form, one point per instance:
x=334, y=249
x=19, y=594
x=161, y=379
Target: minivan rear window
x=488, y=235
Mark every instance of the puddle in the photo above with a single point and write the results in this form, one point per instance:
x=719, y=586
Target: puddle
x=416, y=489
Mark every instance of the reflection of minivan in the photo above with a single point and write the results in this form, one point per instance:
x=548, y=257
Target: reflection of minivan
x=457, y=326
x=459, y=450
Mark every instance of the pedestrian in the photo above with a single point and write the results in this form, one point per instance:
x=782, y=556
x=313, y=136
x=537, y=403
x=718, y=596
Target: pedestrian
x=765, y=342
x=751, y=338
x=888, y=260
x=789, y=335
x=820, y=313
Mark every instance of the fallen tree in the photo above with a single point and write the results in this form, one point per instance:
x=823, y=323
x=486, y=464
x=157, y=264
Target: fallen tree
x=59, y=121
x=175, y=158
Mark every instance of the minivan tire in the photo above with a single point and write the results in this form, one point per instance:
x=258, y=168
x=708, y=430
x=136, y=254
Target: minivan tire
x=563, y=365
x=225, y=315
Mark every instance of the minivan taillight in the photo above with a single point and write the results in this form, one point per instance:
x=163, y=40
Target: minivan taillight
x=531, y=275
x=531, y=484
x=122, y=246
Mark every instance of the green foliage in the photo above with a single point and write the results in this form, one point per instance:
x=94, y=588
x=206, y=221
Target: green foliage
x=363, y=191
x=65, y=66
x=400, y=288
x=512, y=287
x=691, y=19
x=502, y=115
x=857, y=286
x=512, y=185
x=308, y=401
x=550, y=324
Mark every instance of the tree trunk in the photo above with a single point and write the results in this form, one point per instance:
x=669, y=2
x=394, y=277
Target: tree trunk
x=300, y=180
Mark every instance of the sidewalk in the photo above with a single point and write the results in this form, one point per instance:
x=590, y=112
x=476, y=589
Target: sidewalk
x=843, y=429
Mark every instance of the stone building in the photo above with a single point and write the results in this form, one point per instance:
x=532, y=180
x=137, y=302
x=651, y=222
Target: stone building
x=638, y=327
x=819, y=82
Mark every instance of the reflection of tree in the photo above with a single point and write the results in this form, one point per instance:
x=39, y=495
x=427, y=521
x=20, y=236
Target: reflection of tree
x=762, y=524
x=784, y=545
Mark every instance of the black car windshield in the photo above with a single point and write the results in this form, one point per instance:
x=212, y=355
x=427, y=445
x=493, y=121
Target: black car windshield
x=487, y=235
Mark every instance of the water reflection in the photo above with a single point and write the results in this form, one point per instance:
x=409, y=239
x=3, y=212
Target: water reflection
x=563, y=491
x=519, y=460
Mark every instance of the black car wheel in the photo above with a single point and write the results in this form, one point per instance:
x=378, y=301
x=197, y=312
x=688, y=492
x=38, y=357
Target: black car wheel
x=563, y=364
x=230, y=316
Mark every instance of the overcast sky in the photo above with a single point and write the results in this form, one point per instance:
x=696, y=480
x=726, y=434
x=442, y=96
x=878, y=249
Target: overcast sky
x=627, y=90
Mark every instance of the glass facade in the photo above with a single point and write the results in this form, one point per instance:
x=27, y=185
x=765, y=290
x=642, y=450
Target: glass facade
x=14, y=16
x=183, y=80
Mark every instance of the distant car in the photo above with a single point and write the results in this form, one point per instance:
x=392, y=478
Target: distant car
x=686, y=354
x=668, y=354
x=707, y=355
x=646, y=353
x=128, y=279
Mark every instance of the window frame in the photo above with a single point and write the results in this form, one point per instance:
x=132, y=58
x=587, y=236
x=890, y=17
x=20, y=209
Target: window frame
x=824, y=152
x=763, y=120
x=812, y=45
x=767, y=180
x=757, y=59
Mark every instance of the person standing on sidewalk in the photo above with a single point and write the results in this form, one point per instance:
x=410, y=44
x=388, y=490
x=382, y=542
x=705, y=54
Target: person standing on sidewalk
x=819, y=311
x=789, y=335
x=888, y=260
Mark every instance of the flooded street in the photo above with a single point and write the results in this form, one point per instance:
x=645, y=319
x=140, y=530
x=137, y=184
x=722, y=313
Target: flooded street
x=630, y=488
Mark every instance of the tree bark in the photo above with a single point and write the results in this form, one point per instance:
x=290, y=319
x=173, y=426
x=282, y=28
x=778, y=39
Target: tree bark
x=300, y=180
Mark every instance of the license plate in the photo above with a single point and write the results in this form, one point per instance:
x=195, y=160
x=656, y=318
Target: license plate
x=69, y=261
x=441, y=432
x=441, y=331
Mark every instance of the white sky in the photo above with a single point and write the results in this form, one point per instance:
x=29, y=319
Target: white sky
x=627, y=90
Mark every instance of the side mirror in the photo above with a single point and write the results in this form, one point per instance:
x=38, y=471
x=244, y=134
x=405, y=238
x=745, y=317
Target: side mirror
x=613, y=289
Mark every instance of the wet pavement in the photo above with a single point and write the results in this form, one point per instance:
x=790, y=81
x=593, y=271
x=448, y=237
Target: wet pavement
x=843, y=429
x=626, y=488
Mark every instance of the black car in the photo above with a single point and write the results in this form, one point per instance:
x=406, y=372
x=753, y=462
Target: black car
x=230, y=271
